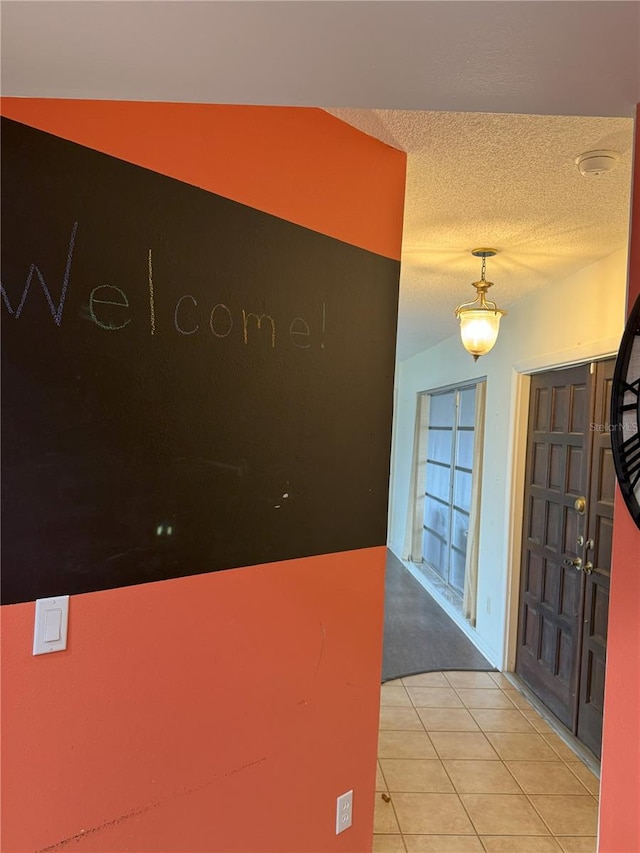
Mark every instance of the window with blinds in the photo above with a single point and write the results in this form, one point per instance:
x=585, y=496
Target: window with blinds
x=448, y=480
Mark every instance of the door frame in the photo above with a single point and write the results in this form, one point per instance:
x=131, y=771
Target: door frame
x=521, y=373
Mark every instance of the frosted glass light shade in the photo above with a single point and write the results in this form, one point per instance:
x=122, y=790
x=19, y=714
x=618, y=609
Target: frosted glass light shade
x=479, y=330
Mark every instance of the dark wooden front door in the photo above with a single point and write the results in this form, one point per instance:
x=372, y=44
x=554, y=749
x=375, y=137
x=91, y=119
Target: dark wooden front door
x=566, y=546
x=551, y=590
x=597, y=572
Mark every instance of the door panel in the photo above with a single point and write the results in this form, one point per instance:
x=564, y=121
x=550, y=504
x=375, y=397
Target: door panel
x=600, y=528
x=562, y=632
x=551, y=591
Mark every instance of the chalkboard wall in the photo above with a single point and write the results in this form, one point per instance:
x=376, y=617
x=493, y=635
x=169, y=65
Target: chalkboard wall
x=188, y=384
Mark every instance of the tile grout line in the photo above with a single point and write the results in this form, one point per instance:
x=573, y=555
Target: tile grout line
x=393, y=805
x=532, y=804
x=463, y=805
x=555, y=728
x=565, y=762
x=441, y=762
x=555, y=835
x=571, y=770
x=528, y=796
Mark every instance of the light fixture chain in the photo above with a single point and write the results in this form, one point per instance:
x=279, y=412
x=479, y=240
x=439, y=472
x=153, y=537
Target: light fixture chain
x=480, y=319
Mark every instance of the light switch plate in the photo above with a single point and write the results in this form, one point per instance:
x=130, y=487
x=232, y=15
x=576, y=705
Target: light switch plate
x=52, y=619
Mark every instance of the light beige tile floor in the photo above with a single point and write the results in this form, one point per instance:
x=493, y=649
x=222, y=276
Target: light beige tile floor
x=467, y=765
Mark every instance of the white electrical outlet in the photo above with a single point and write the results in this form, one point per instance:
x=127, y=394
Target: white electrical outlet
x=344, y=812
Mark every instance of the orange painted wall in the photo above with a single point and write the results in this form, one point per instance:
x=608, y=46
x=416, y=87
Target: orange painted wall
x=218, y=712
x=303, y=165
x=227, y=711
x=620, y=784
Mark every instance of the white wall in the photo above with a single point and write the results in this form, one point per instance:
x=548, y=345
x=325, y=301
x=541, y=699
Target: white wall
x=576, y=319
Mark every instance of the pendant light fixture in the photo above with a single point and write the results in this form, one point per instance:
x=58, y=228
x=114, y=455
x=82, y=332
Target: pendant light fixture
x=480, y=319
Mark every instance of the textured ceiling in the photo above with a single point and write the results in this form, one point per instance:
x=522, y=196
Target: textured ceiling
x=505, y=181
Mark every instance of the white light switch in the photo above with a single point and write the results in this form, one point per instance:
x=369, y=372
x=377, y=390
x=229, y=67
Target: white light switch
x=52, y=625
x=52, y=618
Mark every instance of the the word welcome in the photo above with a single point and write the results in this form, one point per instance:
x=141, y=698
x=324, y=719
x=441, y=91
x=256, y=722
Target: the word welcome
x=109, y=309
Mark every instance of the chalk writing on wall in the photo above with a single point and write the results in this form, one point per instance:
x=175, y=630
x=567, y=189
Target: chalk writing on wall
x=220, y=318
x=189, y=384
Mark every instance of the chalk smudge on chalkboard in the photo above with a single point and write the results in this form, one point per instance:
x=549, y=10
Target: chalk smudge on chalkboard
x=152, y=311
x=240, y=469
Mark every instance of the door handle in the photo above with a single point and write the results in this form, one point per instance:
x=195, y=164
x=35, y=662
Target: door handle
x=576, y=563
x=588, y=567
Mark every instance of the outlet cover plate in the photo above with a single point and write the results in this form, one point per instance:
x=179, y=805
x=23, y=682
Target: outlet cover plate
x=344, y=812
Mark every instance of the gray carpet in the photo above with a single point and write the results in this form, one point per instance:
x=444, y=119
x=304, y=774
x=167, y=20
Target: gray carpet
x=418, y=634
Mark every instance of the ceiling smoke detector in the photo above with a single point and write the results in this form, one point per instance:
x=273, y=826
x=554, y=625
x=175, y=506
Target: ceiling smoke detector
x=596, y=162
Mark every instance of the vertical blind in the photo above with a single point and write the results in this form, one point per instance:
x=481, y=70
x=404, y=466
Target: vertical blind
x=443, y=526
